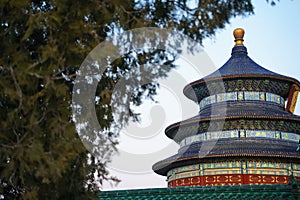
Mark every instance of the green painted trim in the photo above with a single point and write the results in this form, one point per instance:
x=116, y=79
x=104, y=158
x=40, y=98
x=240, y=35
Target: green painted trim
x=287, y=191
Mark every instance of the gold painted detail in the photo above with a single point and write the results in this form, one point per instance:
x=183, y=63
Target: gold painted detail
x=235, y=167
x=240, y=134
x=242, y=96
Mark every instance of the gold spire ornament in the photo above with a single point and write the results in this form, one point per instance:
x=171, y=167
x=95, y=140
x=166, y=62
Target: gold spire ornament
x=238, y=34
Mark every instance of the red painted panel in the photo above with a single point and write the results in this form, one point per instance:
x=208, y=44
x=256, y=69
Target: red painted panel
x=230, y=179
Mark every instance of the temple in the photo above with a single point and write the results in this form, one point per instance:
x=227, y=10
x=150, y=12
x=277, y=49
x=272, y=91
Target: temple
x=243, y=141
x=245, y=132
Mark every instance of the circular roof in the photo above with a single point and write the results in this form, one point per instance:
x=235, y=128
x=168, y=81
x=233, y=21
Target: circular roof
x=239, y=66
x=235, y=111
x=226, y=148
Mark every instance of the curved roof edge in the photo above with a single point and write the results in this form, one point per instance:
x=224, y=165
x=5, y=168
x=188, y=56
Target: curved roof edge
x=171, y=130
x=239, y=65
x=245, y=149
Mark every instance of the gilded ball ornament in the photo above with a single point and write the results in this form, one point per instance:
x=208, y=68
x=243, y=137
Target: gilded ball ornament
x=238, y=34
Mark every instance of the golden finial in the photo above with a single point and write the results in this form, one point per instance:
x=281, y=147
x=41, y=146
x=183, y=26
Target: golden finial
x=238, y=34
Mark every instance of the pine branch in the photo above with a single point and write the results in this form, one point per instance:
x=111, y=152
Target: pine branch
x=18, y=88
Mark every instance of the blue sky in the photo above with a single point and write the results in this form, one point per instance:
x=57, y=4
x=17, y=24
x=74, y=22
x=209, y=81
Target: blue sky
x=272, y=37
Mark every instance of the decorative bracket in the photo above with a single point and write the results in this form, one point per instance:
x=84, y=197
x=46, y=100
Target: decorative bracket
x=292, y=98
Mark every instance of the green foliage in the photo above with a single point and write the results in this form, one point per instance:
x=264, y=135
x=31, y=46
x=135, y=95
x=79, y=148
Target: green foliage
x=42, y=44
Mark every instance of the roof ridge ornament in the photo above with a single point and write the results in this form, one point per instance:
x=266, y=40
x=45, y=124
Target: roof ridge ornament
x=238, y=34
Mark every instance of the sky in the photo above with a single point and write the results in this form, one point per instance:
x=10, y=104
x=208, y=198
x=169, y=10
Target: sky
x=272, y=38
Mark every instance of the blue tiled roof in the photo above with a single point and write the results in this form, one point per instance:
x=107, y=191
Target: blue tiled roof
x=232, y=147
x=239, y=66
x=234, y=110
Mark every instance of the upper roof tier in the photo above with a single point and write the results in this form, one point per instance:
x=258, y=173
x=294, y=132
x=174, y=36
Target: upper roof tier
x=240, y=73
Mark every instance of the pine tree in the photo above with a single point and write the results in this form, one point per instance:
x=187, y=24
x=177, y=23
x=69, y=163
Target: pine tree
x=42, y=45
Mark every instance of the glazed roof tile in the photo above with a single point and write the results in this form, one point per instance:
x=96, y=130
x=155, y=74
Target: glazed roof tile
x=233, y=147
x=233, y=110
x=240, y=65
x=287, y=192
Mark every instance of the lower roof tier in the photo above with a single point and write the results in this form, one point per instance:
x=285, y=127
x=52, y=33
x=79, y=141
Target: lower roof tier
x=234, y=148
x=247, y=115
